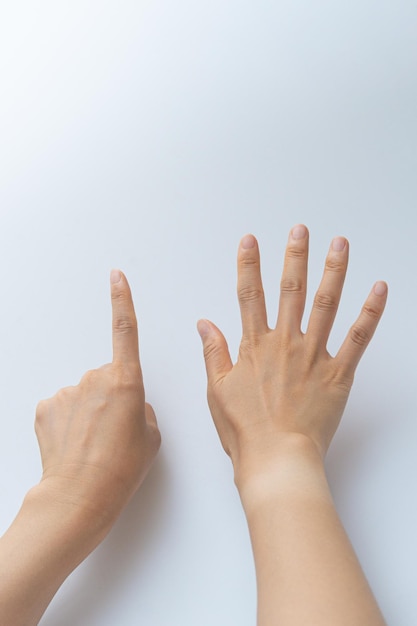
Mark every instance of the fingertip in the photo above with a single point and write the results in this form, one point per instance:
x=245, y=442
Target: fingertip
x=248, y=241
x=339, y=244
x=118, y=279
x=380, y=288
x=119, y=285
x=124, y=323
x=204, y=328
x=115, y=276
x=299, y=231
x=216, y=353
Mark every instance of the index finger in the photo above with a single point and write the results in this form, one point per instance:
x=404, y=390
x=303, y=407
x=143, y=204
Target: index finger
x=249, y=288
x=124, y=325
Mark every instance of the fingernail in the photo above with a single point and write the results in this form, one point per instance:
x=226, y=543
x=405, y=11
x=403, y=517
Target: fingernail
x=380, y=288
x=248, y=241
x=299, y=232
x=338, y=244
x=115, y=276
x=203, y=328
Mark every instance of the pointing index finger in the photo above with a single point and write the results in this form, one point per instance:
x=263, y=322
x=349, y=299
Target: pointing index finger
x=125, y=328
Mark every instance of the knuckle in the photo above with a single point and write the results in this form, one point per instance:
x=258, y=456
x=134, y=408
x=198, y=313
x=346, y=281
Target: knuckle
x=249, y=261
x=41, y=411
x=291, y=284
x=41, y=407
x=250, y=293
x=325, y=302
x=343, y=382
x=245, y=348
x=334, y=265
x=119, y=295
x=88, y=379
x=155, y=437
x=371, y=311
x=211, y=350
x=65, y=396
x=295, y=252
x=359, y=335
x=249, y=345
x=124, y=324
x=284, y=340
x=213, y=391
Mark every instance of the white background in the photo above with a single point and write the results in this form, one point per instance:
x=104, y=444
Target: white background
x=152, y=135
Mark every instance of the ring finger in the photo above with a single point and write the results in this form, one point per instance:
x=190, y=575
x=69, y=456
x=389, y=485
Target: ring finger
x=328, y=295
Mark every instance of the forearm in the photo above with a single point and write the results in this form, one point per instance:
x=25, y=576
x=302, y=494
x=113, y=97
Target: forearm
x=44, y=544
x=306, y=568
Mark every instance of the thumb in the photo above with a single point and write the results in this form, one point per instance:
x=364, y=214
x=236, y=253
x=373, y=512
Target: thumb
x=216, y=352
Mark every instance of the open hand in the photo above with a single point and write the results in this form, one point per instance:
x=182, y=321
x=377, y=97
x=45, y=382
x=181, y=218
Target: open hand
x=285, y=384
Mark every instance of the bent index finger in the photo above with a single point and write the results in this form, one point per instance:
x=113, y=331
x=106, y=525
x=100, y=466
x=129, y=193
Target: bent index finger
x=125, y=328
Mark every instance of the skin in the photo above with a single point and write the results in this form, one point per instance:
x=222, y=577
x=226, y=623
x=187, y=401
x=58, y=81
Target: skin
x=97, y=442
x=276, y=411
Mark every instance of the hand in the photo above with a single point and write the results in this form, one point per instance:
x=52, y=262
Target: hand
x=276, y=411
x=97, y=442
x=99, y=438
x=285, y=386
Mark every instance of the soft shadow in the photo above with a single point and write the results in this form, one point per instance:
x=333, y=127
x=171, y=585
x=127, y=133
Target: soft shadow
x=97, y=582
x=349, y=453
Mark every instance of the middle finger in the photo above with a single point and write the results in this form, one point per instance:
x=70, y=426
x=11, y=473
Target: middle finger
x=294, y=281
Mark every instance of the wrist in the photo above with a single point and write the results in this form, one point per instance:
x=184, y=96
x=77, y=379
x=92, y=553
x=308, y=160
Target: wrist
x=70, y=511
x=283, y=465
x=90, y=496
